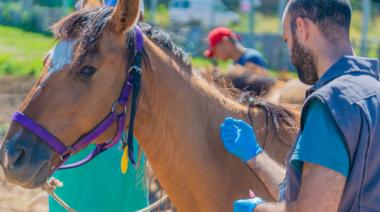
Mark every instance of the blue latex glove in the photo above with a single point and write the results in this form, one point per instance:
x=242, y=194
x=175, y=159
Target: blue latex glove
x=247, y=205
x=111, y=3
x=239, y=139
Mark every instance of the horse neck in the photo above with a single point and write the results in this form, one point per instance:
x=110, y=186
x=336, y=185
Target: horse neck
x=177, y=126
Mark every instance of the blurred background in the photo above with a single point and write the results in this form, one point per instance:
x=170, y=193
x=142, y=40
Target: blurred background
x=25, y=39
x=25, y=36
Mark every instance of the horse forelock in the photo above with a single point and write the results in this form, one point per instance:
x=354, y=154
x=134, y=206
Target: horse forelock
x=84, y=26
x=87, y=25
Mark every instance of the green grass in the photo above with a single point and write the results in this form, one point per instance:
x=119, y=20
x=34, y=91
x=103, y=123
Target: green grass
x=201, y=62
x=22, y=52
x=162, y=16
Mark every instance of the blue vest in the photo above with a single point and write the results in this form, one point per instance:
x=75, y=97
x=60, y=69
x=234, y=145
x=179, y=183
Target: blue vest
x=351, y=91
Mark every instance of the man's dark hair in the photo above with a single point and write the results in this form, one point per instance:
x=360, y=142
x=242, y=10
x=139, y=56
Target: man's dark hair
x=328, y=15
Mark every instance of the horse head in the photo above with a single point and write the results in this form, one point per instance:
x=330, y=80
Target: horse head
x=87, y=66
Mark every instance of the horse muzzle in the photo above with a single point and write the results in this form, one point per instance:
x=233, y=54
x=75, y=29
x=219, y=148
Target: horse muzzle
x=25, y=159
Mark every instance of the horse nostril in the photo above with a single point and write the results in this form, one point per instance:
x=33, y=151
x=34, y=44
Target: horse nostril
x=18, y=157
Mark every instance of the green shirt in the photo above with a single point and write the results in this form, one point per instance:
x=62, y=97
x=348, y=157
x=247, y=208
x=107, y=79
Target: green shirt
x=321, y=142
x=100, y=186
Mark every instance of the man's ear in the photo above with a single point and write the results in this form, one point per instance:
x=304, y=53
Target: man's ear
x=225, y=39
x=303, y=27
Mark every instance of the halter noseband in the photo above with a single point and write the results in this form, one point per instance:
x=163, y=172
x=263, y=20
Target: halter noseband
x=118, y=114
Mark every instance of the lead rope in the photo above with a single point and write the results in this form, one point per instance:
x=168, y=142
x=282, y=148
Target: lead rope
x=53, y=183
x=49, y=188
x=154, y=205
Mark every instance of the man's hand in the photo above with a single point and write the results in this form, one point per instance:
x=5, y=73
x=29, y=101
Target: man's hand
x=247, y=205
x=239, y=139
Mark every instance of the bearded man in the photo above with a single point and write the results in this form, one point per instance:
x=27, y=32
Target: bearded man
x=334, y=164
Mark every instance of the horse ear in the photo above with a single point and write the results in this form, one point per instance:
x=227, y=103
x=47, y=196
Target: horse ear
x=90, y=3
x=125, y=15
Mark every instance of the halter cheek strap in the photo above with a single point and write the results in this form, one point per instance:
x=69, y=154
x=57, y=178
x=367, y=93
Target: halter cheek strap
x=135, y=80
x=117, y=115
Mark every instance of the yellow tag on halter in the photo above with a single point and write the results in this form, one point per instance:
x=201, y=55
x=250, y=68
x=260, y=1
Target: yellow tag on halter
x=124, y=161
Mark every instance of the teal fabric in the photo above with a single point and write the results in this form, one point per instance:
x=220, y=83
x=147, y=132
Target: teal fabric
x=100, y=186
x=321, y=142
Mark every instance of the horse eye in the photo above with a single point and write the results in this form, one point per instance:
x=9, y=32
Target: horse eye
x=87, y=71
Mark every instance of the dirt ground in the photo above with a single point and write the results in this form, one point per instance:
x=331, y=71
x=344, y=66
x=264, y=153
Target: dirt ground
x=14, y=198
x=12, y=92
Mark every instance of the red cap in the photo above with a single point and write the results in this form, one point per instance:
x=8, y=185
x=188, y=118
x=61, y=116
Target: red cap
x=217, y=35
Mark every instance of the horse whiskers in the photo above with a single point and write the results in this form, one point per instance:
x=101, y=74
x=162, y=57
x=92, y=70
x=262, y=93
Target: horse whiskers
x=2, y=151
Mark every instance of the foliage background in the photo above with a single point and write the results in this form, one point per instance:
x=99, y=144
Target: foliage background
x=25, y=38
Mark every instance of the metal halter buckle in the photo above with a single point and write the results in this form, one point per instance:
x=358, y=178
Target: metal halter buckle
x=118, y=108
x=134, y=67
x=66, y=153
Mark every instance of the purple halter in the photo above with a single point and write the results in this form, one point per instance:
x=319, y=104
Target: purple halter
x=114, y=116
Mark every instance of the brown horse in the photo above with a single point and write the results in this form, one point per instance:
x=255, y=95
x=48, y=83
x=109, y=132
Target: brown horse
x=252, y=81
x=178, y=116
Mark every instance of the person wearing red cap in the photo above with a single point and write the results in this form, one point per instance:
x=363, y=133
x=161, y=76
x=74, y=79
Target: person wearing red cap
x=224, y=45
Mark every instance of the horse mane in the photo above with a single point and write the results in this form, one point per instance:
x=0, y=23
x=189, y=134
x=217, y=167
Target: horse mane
x=87, y=26
x=164, y=40
x=274, y=115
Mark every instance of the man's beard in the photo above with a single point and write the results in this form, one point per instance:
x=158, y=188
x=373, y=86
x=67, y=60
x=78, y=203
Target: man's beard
x=305, y=63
